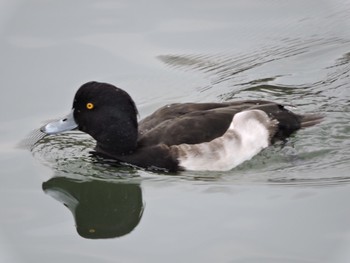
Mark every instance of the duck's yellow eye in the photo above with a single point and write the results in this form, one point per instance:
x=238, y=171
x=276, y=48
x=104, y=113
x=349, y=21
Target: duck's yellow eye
x=89, y=106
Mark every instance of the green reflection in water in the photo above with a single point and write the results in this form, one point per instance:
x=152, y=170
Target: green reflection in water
x=102, y=209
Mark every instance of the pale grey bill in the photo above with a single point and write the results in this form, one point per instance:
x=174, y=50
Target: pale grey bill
x=65, y=124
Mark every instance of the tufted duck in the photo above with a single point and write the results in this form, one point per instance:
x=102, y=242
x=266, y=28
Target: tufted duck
x=181, y=136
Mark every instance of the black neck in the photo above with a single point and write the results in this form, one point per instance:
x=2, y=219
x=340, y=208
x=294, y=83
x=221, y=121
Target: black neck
x=121, y=138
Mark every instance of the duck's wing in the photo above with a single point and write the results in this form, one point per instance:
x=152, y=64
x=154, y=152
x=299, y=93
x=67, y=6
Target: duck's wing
x=190, y=128
x=176, y=110
x=172, y=111
x=193, y=123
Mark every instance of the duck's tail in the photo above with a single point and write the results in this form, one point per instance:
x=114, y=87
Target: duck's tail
x=309, y=120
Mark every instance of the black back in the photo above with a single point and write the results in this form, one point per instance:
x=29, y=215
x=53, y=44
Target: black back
x=194, y=123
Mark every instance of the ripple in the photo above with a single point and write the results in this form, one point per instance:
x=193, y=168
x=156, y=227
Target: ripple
x=310, y=75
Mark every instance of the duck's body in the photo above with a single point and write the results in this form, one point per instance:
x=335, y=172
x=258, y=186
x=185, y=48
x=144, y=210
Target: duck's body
x=194, y=123
x=187, y=136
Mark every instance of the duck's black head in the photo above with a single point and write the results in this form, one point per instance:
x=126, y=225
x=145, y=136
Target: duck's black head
x=105, y=112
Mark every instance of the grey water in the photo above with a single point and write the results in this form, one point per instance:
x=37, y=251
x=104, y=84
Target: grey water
x=287, y=204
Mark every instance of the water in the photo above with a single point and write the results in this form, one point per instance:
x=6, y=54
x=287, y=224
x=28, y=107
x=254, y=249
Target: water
x=288, y=204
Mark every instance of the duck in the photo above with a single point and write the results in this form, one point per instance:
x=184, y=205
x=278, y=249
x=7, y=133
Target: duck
x=214, y=136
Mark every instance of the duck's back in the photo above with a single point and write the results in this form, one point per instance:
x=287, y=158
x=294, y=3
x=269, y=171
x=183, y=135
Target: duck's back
x=194, y=123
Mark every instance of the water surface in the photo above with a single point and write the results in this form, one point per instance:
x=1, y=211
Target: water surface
x=287, y=204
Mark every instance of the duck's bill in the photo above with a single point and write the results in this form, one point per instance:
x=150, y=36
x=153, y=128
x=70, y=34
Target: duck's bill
x=65, y=124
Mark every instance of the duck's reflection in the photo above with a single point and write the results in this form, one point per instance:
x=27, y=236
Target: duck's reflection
x=101, y=209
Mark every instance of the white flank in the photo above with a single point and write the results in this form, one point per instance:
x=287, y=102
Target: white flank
x=247, y=135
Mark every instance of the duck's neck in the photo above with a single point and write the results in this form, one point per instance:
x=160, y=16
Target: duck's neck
x=120, y=140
